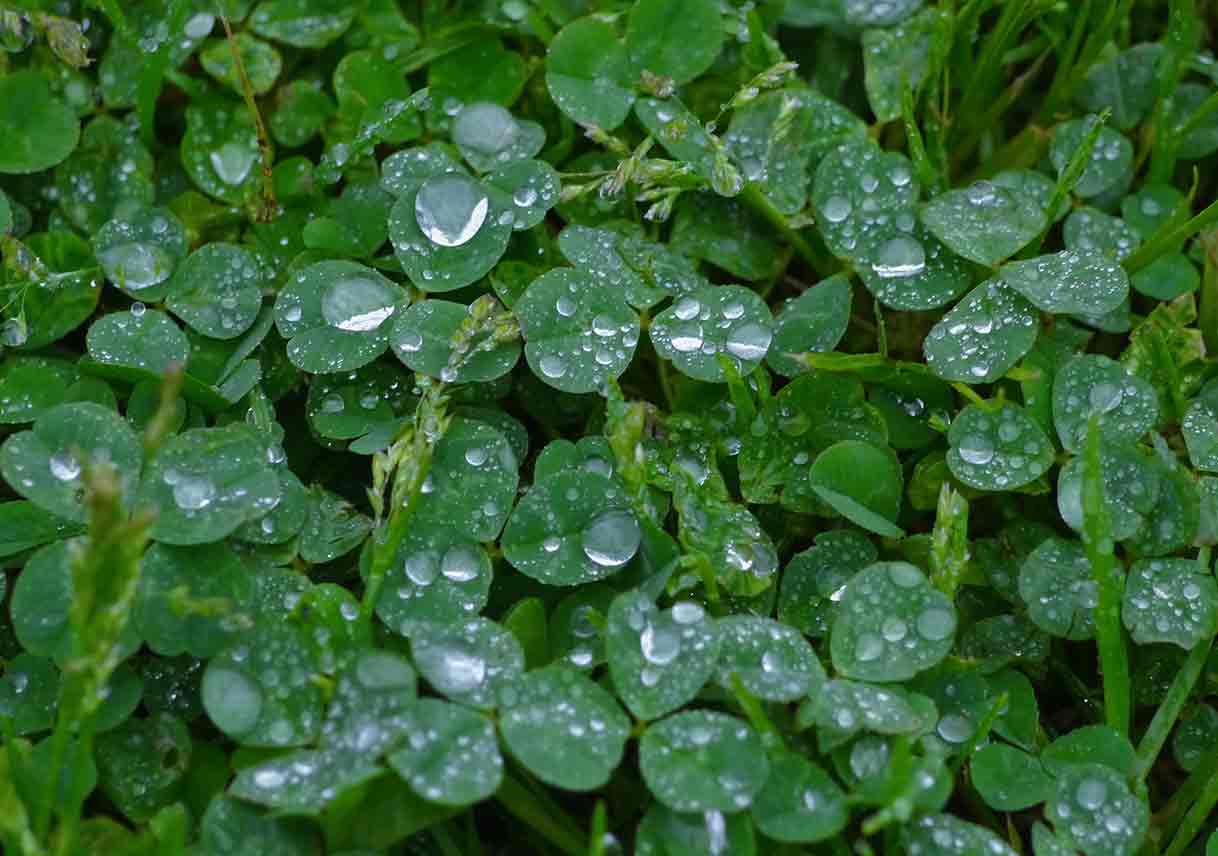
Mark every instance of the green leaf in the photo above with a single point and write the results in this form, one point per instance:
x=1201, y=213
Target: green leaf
x=572, y=528
x=217, y=290
x=800, y=803
x=1055, y=582
x=451, y=756
x=470, y=663
x=891, y=624
x=1124, y=84
x=1126, y=405
x=674, y=38
x=488, y=136
x=220, y=149
x=984, y=222
x=1089, y=744
x=658, y=660
x=42, y=602
x=208, y=481
x=24, y=526
x=1090, y=229
x=1110, y=165
x=1170, y=600
x=701, y=760
x=896, y=56
x=141, y=338
x=983, y=335
x=142, y=764
x=698, y=327
x=1009, y=779
x=562, y=313
x=1133, y=486
x=190, y=599
x=29, y=693
x=422, y=338
x=46, y=464
x=564, y=728
x=39, y=130
x=1093, y=809
x=532, y=185
x=141, y=249
x=332, y=527
x=440, y=576
x=261, y=62
x=228, y=821
x=680, y=834
x=812, y=578
x=302, y=23
x=774, y=662
x=997, y=449
x=1200, y=430
x=854, y=184
x=334, y=313
x=949, y=836
x=450, y=232
x=480, y=70
x=588, y=73
x=862, y=482
x=472, y=482
x=814, y=322
x=260, y=691
x=1073, y=282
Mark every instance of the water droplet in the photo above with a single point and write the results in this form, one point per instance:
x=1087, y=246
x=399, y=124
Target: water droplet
x=64, y=466
x=749, y=341
x=193, y=493
x=687, y=308
x=936, y=624
x=551, y=544
x=612, y=539
x=422, y=568
x=1091, y=794
x=233, y=161
x=524, y=196
x=1105, y=396
x=460, y=564
x=476, y=456
x=660, y=644
x=552, y=366
x=898, y=257
x=868, y=647
x=955, y=728
x=358, y=304
x=199, y=26
x=976, y=449
x=410, y=341
x=450, y=209
x=837, y=209
x=687, y=612
x=136, y=265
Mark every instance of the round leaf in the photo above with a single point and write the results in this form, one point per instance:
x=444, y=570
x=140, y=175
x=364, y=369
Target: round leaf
x=39, y=130
x=588, y=74
x=674, y=38
x=701, y=760
x=983, y=222
x=217, y=290
x=658, y=660
x=724, y=319
x=451, y=756
x=997, y=449
x=564, y=728
x=1071, y=282
x=891, y=624
x=983, y=335
x=422, y=339
x=1170, y=600
x=774, y=662
x=468, y=662
x=862, y=482
x=577, y=334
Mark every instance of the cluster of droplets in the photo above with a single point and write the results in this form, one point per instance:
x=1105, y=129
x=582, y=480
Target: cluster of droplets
x=1166, y=600
x=747, y=340
x=898, y=632
x=973, y=342
x=1001, y=450
x=868, y=214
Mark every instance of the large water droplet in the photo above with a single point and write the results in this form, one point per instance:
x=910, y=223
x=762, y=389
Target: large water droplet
x=976, y=449
x=358, y=304
x=485, y=127
x=450, y=209
x=454, y=669
x=460, y=564
x=749, y=341
x=659, y=643
x=552, y=366
x=837, y=209
x=899, y=256
x=612, y=539
x=936, y=624
x=64, y=466
x=421, y=568
x=1105, y=396
x=193, y=493
x=1091, y=794
x=135, y=265
x=233, y=162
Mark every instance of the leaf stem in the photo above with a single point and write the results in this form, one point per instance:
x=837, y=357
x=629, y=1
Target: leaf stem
x=1165, y=239
x=520, y=802
x=755, y=199
x=1097, y=539
x=1169, y=709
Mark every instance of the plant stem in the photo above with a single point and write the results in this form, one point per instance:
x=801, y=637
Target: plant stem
x=1195, y=819
x=520, y=802
x=1164, y=240
x=755, y=199
x=1097, y=539
x=1171, y=706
